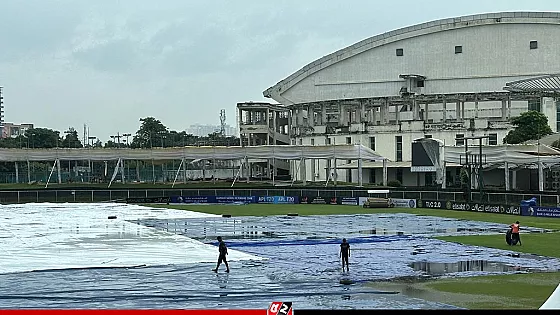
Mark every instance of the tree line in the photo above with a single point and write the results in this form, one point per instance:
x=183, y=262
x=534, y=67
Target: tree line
x=152, y=133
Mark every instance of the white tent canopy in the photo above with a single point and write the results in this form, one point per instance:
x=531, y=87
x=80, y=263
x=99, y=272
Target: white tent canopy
x=520, y=154
x=285, y=152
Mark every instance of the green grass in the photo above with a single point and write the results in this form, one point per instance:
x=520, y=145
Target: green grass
x=515, y=291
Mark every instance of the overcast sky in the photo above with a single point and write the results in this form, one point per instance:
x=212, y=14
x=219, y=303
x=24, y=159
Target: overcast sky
x=106, y=64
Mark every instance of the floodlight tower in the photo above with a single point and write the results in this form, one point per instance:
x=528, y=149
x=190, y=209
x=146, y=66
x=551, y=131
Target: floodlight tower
x=223, y=122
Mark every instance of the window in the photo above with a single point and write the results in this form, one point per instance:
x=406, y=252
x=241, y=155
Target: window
x=300, y=141
x=420, y=83
x=458, y=49
x=459, y=139
x=348, y=140
x=493, y=139
x=534, y=104
x=372, y=139
x=428, y=136
x=400, y=52
x=398, y=141
x=398, y=175
x=533, y=44
x=312, y=141
x=327, y=141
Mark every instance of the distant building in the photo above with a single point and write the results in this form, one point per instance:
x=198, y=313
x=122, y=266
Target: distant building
x=205, y=130
x=10, y=130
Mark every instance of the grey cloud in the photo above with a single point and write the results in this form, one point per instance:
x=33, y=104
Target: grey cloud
x=35, y=27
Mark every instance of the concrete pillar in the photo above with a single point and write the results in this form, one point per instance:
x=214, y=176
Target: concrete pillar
x=28, y=172
x=363, y=113
x=342, y=114
x=509, y=107
x=275, y=128
x=360, y=175
x=323, y=114
x=548, y=108
x=415, y=109
x=385, y=172
x=397, y=114
x=384, y=110
x=335, y=172
x=504, y=111
x=514, y=179
x=58, y=171
x=506, y=173
x=17, y=172
x=290, y=116
x=239, y=117
x=311, y=116
x=303, y=171
x=426, y=111
x=462, y=109
x=458, y=110
x=476, y=106
x=444, y=109
x=267, y=120
x=247, y=169
x=444, y=175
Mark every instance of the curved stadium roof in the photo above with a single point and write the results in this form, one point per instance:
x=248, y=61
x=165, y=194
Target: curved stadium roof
x=549, y=83
x=409, y=32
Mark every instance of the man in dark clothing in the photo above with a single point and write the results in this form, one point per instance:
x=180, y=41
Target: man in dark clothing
x=223, y=252
x=344, y=254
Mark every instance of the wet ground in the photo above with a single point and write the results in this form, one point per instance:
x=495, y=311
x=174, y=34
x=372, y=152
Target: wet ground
x=295, y=259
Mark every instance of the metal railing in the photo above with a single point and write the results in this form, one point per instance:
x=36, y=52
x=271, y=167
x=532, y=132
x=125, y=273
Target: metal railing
x=107, y=195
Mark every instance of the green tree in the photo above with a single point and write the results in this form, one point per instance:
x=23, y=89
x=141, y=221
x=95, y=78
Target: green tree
x=152, y=133
x=42, y=138
x=71, y=140
x=531, y=125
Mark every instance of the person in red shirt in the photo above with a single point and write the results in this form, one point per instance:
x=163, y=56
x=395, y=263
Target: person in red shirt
x=515, y=233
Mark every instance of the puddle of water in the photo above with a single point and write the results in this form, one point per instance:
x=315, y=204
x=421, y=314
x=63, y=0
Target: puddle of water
x=439, y=268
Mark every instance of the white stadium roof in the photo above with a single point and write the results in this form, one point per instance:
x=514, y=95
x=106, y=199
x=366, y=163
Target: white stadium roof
x=410, y=32
x=547, y=83
x=285, y=152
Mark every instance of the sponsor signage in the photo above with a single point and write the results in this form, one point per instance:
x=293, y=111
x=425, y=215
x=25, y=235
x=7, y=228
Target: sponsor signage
x=551, y=212
x=466, y=206
x=432, y=204
x=351, y=201
x=213, y=199
x=278, y=199
x=403, y=203
x=148, y=200
x=319, y=200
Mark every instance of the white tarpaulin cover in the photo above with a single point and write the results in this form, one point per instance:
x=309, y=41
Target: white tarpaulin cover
x=284, y=152
x=514, y=153
x=41, y=236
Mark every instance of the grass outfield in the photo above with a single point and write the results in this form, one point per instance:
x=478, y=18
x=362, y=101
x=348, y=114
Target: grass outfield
x=517, y=291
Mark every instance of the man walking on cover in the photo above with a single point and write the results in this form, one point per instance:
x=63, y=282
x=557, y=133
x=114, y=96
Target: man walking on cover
x=223, y=252
x=344, y=254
